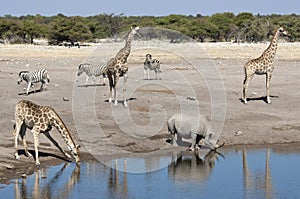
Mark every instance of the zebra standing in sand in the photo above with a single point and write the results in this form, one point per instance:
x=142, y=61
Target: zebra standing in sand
x=40, y=75
x=93, y=71
x=151, y=64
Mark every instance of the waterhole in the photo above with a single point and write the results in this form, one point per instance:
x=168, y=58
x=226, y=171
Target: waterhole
x=239, y=173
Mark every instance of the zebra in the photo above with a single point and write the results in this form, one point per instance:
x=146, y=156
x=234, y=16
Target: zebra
x=151, y=64
x=40, y=75
x=92, y=71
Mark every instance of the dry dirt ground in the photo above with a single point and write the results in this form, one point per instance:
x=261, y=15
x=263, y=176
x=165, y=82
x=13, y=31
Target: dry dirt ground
x=195, y=78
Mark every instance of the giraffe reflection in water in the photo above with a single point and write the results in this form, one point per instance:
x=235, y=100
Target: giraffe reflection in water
x=258, y=181
x=43, y=187
x=117, y=182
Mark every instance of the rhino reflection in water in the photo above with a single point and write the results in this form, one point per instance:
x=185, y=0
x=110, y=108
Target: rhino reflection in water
x=190, y=166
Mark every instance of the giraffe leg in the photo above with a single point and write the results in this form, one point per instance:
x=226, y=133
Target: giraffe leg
x=124, y=90
x=111, y=83
x=16, y=133
x=248, y=78
x=47, y=134
x=25, y=147
x=35, y=133
x=116, y=80
x=268, y=79
x=23, y=136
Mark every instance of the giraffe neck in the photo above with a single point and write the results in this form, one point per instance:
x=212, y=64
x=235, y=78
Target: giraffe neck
x=271, y=50
x=125, y=51
x=62, y=129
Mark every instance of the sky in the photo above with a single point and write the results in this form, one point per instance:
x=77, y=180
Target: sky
x=146, y=7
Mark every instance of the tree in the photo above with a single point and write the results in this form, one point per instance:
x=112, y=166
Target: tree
x=69, y=29
x=106, y=25
x=30, y=29
x=222, y=22
x=198, y=29
x=10, y=30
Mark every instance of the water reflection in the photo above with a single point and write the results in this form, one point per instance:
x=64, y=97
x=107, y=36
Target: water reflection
x=243, y=173
x=117, y=182
x=40, y=186
x=260, y=180
x=190, y=165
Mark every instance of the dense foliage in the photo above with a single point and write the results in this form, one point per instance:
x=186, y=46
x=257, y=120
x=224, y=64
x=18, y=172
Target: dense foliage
x=218, y=27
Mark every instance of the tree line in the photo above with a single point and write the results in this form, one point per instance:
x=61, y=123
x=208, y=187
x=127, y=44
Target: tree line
x=243, y=27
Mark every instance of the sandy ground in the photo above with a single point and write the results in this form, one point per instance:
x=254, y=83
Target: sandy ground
x=204, y=78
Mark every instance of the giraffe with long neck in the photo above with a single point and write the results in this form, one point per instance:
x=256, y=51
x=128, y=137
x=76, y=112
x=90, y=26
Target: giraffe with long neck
x=41, y=119
x=263, y=65
x=117, y=67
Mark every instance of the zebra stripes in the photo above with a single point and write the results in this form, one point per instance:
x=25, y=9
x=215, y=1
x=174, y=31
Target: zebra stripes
x=40, y=75
x=151, y=64
x=92, y=71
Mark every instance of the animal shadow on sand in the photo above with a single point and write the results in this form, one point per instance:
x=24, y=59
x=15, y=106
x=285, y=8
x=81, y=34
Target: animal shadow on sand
x=91, y=85
x=151, y=79
x=42, y=154
x=262, y=98
x=122, y=101
x=180, y=143
x=33, y=91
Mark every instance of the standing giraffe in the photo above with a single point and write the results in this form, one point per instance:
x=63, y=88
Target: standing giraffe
x=41, y=119
x=263, y=65
x=117, y=66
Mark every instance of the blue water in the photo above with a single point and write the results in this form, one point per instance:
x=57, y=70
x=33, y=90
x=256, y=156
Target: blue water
x=261, y=173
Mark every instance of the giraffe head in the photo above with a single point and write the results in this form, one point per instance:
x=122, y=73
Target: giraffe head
x=134, y=31
x=283, y=32
x=21, y=76
x=76, y=152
